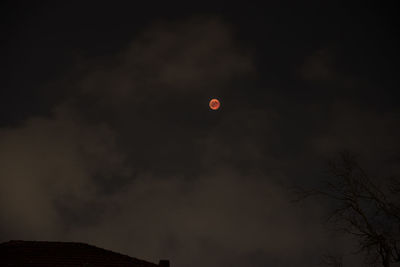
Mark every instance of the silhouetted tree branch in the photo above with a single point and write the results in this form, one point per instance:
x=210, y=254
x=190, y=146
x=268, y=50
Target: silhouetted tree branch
x=365, y=210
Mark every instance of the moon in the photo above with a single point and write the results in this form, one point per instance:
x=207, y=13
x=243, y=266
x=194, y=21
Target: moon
x=214, y=104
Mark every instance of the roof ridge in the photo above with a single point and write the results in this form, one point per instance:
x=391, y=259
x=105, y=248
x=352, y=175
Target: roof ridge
x=103, y=250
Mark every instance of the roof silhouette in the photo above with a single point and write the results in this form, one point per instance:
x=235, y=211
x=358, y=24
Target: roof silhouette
x=65, y=254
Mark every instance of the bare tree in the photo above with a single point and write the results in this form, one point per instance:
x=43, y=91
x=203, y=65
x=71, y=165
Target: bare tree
x=364, y=208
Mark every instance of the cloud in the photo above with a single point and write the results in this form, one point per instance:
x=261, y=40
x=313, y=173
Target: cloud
x=323, y=68
x=48, y=164
x=361, y=129
x=167, y=59
x=318, y=67
x=219, y=219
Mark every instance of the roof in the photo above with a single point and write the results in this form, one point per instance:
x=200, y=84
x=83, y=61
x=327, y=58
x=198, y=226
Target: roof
x=64, y=254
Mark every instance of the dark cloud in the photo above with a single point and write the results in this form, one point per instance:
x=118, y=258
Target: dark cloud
x=215, y=220
x=47, y=162
x=324, y=68
x=319, y=67
x=170, y=59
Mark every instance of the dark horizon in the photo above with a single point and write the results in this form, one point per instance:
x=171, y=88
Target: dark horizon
x=107, y=137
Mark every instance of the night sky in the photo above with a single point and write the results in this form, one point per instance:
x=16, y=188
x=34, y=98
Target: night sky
x=106, y=136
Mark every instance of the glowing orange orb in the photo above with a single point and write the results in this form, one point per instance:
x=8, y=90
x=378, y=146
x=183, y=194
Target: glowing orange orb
x=214, y=104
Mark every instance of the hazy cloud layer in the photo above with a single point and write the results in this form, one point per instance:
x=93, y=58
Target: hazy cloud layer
x=133, y=160
x=219, y=219
x=50, y=165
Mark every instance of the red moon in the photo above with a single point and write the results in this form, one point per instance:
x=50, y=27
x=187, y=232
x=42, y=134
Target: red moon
x=214, y=104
